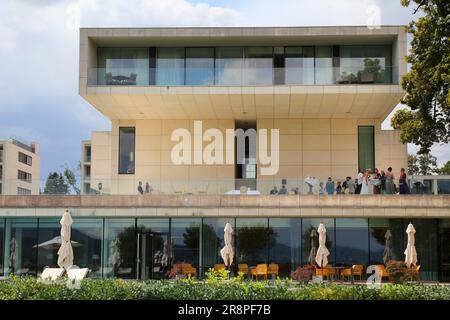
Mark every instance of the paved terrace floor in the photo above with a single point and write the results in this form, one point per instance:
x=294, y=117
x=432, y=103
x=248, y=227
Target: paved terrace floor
x=425, y=206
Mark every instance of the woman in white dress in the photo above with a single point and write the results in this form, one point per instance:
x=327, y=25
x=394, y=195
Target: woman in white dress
x=365, y=183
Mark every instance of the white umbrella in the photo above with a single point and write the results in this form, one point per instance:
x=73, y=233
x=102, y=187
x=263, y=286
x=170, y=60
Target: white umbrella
x=54, y=243
x=227, y=251
x=65, y=252
x=410, y=252
x=322, y=251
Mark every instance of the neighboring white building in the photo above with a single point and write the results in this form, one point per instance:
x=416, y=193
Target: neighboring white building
x=19, y=168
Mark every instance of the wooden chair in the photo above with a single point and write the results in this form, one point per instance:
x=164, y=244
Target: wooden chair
x=383, y=272
x=357, y=270
x=416, y=273
x=324, y=272
x=273, y=269
x=243, y=267
x=219, y=267
x=260, y=270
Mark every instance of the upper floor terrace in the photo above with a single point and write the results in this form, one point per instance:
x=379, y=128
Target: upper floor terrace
x=125, y=72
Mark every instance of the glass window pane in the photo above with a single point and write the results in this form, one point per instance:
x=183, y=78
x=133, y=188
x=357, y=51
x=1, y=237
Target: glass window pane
x=2, y=237
x=87, y=236
x=366, y=147
x=170, y=67
x=443, y=186
x=185, y=235
x=299, y=64
x=123, y=66
x=324, y=65
x=307, y=226
x=199, y=66
x=258, y=66
x=252, y=241
x=119, y=248
x=352, y=241
x=285, y=248
x=377, y=239
x=213, y=240
x=426, y=247
x=49, y=242
x=20, y=255
x=228, y=66
x=126, y=150
x=444, y=249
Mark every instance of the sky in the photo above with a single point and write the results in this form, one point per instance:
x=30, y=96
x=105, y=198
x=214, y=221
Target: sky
x=39, y=47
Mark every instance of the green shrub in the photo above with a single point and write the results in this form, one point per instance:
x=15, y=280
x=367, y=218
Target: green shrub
x=217, y=288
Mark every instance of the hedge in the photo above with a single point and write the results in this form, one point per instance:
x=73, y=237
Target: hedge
x=28, y=288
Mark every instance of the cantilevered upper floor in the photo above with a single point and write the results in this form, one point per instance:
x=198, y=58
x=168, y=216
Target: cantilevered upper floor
x=242, y=73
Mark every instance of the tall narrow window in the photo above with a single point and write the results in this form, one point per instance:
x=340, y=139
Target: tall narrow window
x=366, y=147
x=126, y=150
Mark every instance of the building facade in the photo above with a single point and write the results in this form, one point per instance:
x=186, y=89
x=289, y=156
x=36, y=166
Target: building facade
x=19, y=168
x=325, y=89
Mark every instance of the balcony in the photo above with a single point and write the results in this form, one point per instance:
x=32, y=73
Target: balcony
x=244, y=76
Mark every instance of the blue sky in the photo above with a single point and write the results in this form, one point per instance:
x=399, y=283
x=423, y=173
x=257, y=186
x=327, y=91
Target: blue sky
x=39, y=98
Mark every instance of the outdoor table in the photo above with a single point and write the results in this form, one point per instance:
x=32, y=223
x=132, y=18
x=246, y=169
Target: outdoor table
x=338, y=271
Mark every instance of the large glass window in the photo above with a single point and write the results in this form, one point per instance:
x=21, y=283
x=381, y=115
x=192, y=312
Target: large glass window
x=443, y=186
x=200, y=66
x=228, y=66
x=252, y=241
x=170, y=67
x=365, y=64
x=366, y=147
x=324, y=73
x=49, y=241
x=426, y=246
x=258, y=66
x=299, y=64
x=20, y=255
x=310, y=239
x=126, y=150
x=285, y=248
x=352, y=242
x=2, y=241
x=123, y=66
x=186, y=241
x=444, y=249
x=378, y=232
x=213, y=240
x=87, y=239
x=119, y=248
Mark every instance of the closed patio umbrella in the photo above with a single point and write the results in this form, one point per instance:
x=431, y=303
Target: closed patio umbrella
x=322, y=252
x=65, y=252
x=410, y=252
x=227, y=251
x=387, y=253
x=313, y=252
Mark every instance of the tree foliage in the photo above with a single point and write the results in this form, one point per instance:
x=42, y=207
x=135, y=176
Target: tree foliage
x=56, y=184
x=423, y=164
x=445, y=168
x=427, y=120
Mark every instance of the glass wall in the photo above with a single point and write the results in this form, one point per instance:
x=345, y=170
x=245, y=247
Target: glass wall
x=365, y=64
x=199, y=66
x=253, y=238
x=228, y=66
x=378, y=232
x=119, y=248
x=2, y=241
x=443, y=186
x=352, y=243
x=310, y=239
x=212, y=240
x=127, y=142
x=366, y=147
x=170, y=67
x=49, y=241
x=185, y=240
x=284, y=249
x=324, y=65
x=87, y=236
x=444, y=249
x=258, y=63
x=299, y=64
x=123, y=66
x=20, y=256
x=426, y=246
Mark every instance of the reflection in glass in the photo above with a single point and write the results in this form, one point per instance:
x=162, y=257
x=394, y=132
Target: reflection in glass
x=299, y=64
x=49, y=243
x=2, y=237
x=377, y=239
x=253, y=238
x=443, y=186
x=186, y=241
x=444, y=249
x=307, y=226
x=170, y=67
x=352, y=243
x=200, y=66
x=426, y=247
x=123, y=66
x=119, y=248
x=126, y=150
x=212, y=241
x=366, y=147
x=324, y=65
x=228, y=66
x=87, y=244
x=285, y=249
x=258, y=65
x=20, y=247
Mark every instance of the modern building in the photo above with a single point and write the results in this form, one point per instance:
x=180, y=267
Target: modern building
x=326, y=89
x=19, y=168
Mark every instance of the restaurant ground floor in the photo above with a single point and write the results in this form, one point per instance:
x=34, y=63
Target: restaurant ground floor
x=147, y=247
